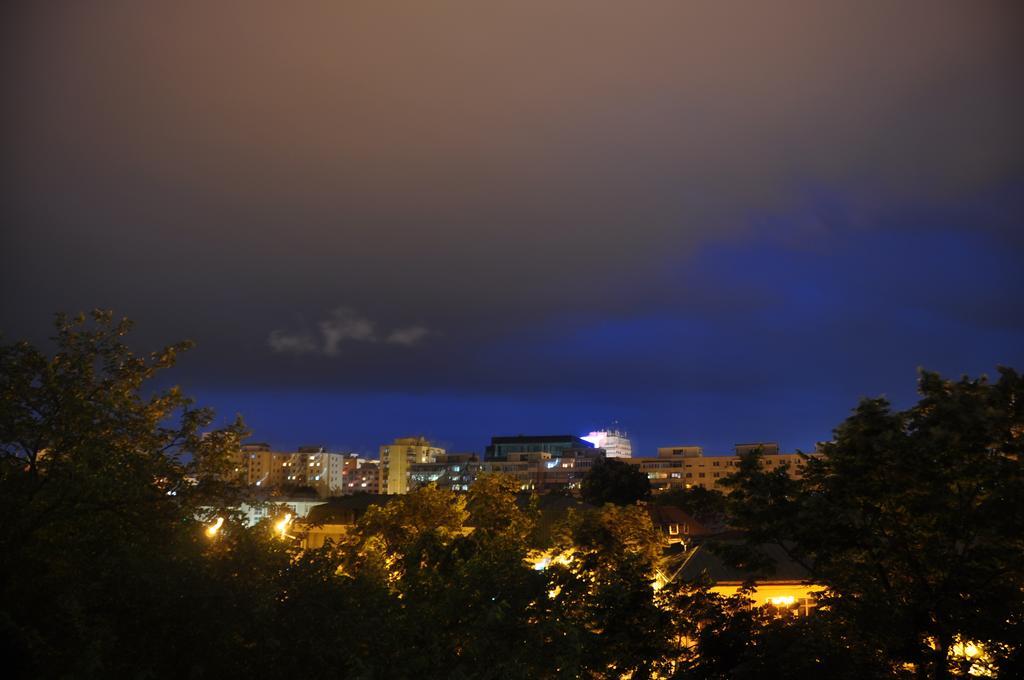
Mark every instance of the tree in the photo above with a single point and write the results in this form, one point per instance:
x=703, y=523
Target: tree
x=99, y=514
x=603, y=589
x=912, y=520
x=707, y=506
x=612, y=481
x=724, y=636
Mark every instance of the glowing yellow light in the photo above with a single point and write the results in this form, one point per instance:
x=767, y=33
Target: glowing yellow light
x=783, y=601
x=212, y=530
x=542, y=564
x=968, y=649
x=282, y=526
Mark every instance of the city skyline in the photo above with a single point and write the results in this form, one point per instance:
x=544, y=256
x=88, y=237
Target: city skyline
x=517, y=340
x=307, y=445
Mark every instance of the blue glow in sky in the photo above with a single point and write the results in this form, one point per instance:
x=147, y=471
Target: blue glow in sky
x=466, y=219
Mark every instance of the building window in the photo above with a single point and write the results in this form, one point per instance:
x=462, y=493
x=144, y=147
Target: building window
x=673, y=529
x=700, y=474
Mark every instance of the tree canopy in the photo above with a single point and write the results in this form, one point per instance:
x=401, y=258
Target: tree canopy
x=612, y=481
x=911, y=520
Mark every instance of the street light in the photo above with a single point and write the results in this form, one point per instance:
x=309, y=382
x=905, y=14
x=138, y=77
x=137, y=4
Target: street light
x=214, y=528
x=282, y=526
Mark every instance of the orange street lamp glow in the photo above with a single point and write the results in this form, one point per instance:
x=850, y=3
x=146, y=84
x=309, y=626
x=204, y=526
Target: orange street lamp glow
x=212, y=530
x=282, y=526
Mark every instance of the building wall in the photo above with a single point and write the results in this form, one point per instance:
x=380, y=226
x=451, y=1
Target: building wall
x=796, y=596
x=615, y=443
x=298, y=508
x=535, y=471
x=543, y=471
x=361, y=476
x=681, y=451
x=557, y=445
x=396, y=459
x=322, y=471
x=686, y=471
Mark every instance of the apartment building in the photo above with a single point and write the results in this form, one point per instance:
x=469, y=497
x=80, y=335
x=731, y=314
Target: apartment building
x=687, y=466
x=310, y=466
x=360, y=475
x=674, y=467
x=396, y=459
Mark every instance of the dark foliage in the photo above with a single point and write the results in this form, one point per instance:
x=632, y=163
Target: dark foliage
x=912, y=520
x=707, y=506
x=612, y=481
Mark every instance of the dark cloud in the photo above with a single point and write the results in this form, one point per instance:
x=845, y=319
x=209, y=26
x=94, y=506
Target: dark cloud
x=512, y=197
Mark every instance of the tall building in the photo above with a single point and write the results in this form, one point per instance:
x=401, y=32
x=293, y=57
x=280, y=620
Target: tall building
x=360, y=475
x=557, y=445
x=395, y=459
x=310, y=466
x=614, y=442
x=534, y=470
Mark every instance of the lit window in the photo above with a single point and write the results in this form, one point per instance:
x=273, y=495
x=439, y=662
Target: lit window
x=805, y=605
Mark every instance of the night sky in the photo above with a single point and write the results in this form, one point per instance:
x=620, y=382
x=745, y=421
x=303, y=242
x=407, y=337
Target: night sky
x=469, y=219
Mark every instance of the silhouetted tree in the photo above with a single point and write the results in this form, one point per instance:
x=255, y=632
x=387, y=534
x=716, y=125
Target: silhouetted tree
x=912, y=519
x=602, y=585
x=612, y=481
x=707, y=506
x=100, y=530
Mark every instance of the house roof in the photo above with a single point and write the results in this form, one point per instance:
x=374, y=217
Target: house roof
x=664, y=515
x=708, y=561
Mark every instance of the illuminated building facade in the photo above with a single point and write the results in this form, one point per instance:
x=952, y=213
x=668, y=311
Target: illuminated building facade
x=535, y=471
x=684, y=467
x=396, y=459
x=310, y=466
x=557, y=445
x=675, y=467
x=614, y=442
x=789, y=588
x=360, y=475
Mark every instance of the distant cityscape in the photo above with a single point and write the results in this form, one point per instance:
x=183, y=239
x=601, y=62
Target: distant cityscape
x=541, y=463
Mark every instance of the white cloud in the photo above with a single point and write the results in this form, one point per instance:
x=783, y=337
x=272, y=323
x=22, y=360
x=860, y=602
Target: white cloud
x=285, y=342
x=341, y=326
x=407, y=336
